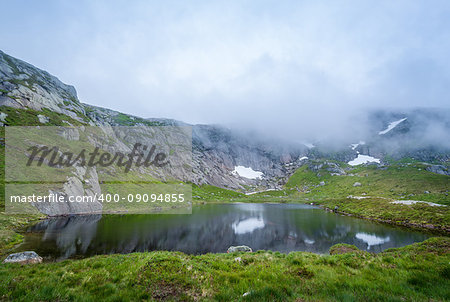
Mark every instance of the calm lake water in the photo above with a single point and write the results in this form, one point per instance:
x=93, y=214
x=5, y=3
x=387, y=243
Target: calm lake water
x=212, y=228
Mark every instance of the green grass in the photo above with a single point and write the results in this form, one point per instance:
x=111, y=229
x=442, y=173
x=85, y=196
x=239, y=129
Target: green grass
x=28, y=117
x=397, y=181
x=127, y=120
x=379, y=187
x=211, y=193
x=9, y=224
x=414, y=273
x=418, y=215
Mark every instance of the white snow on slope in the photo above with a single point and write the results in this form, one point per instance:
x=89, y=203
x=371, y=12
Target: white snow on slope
x=303, y=158
x=354, y=146
x=391, y=126
x=363, y=159
x=309, y=145
x=247, y=172
x=410, y=202
x=268, y=190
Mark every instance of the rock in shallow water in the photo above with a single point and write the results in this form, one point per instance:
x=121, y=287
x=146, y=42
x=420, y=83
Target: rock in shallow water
x=28, y=257
x=239, y=248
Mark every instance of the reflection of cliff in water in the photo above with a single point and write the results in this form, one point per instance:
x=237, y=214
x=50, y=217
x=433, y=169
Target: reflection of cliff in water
x=213, y=228
x=71, y=235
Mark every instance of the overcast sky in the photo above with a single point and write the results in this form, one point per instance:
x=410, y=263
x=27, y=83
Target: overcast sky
x=267, y=64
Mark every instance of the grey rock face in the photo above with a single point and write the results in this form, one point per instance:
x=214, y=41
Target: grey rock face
x=357, y=184
x=75, y=187
x=29, y=87
x=239, y=248
x=334, y=168
x=217, y=151
x=28, y=257
x=438, y=169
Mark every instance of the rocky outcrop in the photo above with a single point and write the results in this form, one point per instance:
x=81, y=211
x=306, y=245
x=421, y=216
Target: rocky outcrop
x=438, y=169
x=239, y=248
x=25, y=86
x=217, y=151
x=28, y=257
x=84, y=183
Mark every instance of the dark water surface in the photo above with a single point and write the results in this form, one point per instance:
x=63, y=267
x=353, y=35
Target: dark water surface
x=212, y=228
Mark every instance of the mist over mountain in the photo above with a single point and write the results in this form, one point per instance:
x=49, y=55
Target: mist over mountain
x=221, y=154
x=297, y=70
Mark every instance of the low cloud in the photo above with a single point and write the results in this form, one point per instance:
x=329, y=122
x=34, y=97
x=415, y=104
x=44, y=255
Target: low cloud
x=298, y=69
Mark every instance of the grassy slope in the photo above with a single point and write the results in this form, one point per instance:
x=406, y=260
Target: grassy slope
x=9, y=224
x=379, y=188
x=398, y=181
x=413, y=273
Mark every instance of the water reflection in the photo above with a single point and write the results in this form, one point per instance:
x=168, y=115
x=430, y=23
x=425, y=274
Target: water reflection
x=372, y=240
x=247, y=225
x=212, y=228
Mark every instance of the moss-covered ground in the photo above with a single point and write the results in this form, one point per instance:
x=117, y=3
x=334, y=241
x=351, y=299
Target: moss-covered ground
x=420, y=272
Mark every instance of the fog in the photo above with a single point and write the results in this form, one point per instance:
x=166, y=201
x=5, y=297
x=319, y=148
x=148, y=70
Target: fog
x=303, y=70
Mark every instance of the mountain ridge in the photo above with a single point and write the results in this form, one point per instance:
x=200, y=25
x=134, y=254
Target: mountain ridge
x=217, y=150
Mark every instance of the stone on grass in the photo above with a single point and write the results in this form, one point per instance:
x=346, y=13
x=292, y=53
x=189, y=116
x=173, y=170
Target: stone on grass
x=43, y=119
x=239, y=248
x=357, y=184
x=28, y=257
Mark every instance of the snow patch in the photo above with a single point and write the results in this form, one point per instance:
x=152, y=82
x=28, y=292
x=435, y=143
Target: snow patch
x=3, y=117
x=372, y=239
x=358, y=197
x=363, y=159
x=268, y=190
x=354, y=146
x=303, y=158
x=391, y=126
x=247, y=172
x=309, y=145
x=410, y=202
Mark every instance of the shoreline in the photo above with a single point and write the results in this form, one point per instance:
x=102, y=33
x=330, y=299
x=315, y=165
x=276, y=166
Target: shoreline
x=412, y=226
